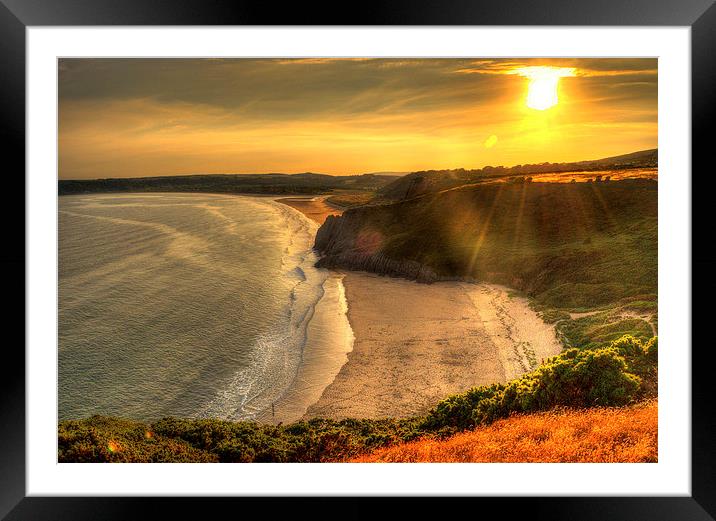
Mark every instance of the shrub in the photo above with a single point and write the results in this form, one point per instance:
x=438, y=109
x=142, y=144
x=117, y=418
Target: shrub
x=575, y=378
x=629, y=346
x=651, y=349
x=102, y=439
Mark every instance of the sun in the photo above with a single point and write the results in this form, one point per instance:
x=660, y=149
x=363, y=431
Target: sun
x=542, y=90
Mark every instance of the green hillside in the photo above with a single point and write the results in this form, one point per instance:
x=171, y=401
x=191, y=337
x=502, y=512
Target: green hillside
x=571, y=246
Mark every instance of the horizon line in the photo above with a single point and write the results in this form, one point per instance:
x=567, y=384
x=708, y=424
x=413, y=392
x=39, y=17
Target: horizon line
x=379, y=172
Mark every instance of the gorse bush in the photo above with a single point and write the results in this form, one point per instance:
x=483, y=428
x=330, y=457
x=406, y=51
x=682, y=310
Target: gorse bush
x=101, y=439
x=611, y=376
x=575, y=378
x=173, y=439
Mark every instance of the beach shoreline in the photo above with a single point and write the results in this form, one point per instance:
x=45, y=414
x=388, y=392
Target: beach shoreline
x=314, y=207
x=415, y=344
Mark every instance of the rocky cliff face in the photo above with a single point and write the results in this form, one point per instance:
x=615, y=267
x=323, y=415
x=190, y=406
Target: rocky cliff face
x=348, y=242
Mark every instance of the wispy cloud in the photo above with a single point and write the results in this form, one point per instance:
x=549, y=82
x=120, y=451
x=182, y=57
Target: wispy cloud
x=588, y=68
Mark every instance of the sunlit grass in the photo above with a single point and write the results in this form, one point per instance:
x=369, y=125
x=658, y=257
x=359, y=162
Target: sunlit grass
x=609, y=435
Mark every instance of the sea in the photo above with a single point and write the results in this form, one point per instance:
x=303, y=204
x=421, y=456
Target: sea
x=193, y=306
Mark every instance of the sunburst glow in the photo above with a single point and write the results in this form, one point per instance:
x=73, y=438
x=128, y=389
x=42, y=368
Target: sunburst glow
x=542, y=91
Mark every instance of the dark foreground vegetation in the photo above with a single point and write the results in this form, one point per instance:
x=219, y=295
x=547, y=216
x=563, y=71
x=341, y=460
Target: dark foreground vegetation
x=307, y=183
x=622, y=373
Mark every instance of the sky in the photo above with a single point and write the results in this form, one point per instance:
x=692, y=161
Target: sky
x=154, y=117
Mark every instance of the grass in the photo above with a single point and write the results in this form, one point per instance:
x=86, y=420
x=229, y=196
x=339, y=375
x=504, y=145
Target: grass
x=600, y=329
x=350, y=200
x=571, y=247
x=603, y=435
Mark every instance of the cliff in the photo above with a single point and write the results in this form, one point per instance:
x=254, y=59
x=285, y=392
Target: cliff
x=346, y=243
x=567, y=245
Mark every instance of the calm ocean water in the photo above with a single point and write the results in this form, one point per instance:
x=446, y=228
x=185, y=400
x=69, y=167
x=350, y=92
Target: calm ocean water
x=193, y=305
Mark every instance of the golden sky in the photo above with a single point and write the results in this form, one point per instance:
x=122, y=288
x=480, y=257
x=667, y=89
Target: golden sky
x=146, y=117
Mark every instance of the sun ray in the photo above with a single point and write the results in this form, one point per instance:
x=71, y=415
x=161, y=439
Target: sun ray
x=605, y=207
x=518, y=221
x=483, y=231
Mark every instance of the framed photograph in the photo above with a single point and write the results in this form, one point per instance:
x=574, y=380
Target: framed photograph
x=428, y=251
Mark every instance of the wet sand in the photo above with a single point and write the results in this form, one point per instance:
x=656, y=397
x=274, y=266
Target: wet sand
x=329, y=339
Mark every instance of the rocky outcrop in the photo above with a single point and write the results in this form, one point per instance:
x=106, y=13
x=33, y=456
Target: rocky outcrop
x=346, y=242
x=379, y=263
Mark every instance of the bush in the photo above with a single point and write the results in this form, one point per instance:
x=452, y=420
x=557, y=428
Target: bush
x=576, y=378
x=102, y=439
x=651, y=350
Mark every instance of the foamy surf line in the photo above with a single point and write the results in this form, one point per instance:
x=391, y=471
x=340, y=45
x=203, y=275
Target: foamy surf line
x=327, y=341
x=292, y=365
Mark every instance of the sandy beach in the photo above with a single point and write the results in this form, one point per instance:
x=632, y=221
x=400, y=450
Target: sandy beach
x=415, y=344
x=315, y=208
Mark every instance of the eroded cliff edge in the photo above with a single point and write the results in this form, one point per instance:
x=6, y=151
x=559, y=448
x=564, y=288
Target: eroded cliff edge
x=566, y=244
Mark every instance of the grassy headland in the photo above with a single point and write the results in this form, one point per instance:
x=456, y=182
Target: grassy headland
x=573, y=246
x=636, y=164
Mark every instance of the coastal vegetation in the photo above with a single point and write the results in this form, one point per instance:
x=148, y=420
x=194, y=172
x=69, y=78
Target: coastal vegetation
x=350, y=200
x=575, y=246
x=621, y=374
x=599, y=434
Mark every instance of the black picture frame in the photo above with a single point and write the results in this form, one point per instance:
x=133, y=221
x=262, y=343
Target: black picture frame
x=17, y=15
